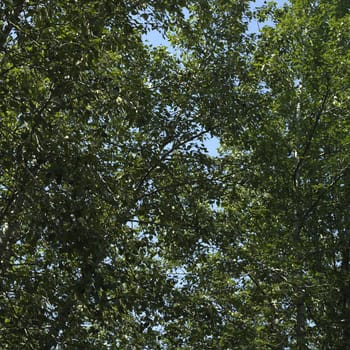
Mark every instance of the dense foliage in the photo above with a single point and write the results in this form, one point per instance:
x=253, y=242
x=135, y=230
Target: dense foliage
x=119, y=230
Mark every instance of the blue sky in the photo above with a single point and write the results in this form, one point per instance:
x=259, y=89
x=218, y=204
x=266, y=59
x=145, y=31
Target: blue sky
x=156, y=39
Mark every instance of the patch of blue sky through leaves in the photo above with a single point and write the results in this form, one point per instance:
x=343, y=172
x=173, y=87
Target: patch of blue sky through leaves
x=155, y=38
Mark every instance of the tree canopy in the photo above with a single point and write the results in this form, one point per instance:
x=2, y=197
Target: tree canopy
x=119, y=230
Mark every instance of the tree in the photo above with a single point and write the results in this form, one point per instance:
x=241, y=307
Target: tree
x=276, y=275
x=119, y=231
x=99, y=145
x=298, y=151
